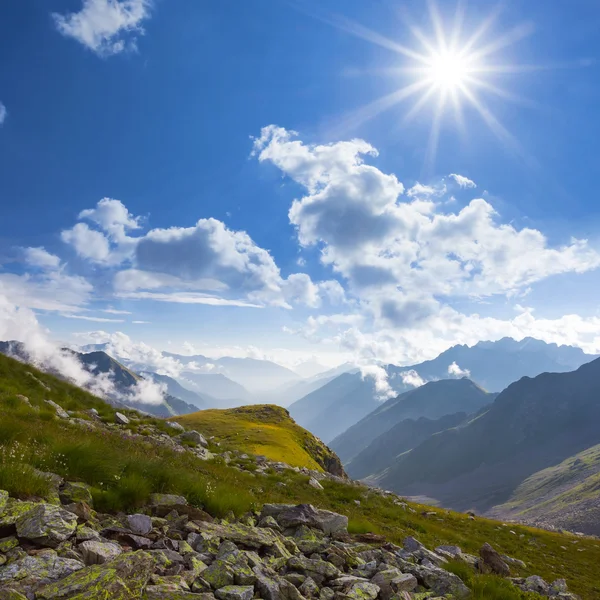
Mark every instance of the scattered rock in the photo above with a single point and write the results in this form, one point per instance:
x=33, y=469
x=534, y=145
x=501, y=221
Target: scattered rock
x=46, y=524
x=491, y=562
x=315, y=484
x=121, y=419
x=98, y=553
x=59, y=410
x=139, y=524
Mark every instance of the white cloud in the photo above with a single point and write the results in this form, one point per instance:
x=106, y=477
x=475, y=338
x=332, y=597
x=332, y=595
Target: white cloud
x=456, y=371
x=186, y=298
x=88, y=243
x=141, y=322
x=49, y=290
x=113, y=311
x=412, y=378
x=93, y=319
x=462, y=181
x=113, y=217
x=105, y=26
x=396, y=250
x=426, y=191
x=147, y=391
x=3, y=114
x=383, y=390
x=40, y=257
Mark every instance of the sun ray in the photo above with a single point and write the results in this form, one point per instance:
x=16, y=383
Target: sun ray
x=434, y=135
x=516, y=34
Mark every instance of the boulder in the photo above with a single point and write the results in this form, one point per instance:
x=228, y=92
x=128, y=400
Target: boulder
x=290, y=516
x=315, y=484
x=121, y=419
x=383, y=580
x=536, y=584
x=319, y=570
x=121, y=579
x=491, y=562
x=363, y=591
x=31, y=571
x=3, y=501
x=404, y=583
x=98, y=553
x=139, y=524
x=194, y=437
x=59, y=410
x=176, y=426
x=46, y=525
x=235, y=592
x=251, y=537
x=73, y=492
x=166, y=500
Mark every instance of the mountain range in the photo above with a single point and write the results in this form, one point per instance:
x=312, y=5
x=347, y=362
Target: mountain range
x=432, y=400
x=514, y=453
x=333, y=408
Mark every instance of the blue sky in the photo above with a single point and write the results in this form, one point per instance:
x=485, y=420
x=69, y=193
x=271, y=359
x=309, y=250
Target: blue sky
x=155, y=110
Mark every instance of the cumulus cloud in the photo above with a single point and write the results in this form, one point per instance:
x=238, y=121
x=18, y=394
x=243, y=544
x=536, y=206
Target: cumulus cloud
x=462, y=181
x=383, y=390
x=147, y=391
x=456, y=371
x=40, y=257
x=411, y=378
x=3, y=114
x=88, y=243
x=394, y=248
x=105, y=26
x=207, y=263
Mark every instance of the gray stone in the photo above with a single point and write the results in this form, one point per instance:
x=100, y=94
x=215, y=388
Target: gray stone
x=363, y=591
x=98, y=553
x=121, y=419
x=309, y=588
x=536, y=584
x=315, y=484
x=235, y=592
x=139, y=524
x=404, y=583
x=59, y=410
x=166, y=500
x=492, y=562
x=42, y=568
x=289, y=516
x=175, y=425
x=46, y=525
x=383, y=580
x=195, y=437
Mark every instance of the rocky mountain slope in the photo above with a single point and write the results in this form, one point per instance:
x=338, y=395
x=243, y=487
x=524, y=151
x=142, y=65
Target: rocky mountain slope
x=265, y=430
x=493, y=365
x=565, y=495
x=432, y=400
x=119, y=505
x=533, y=425
x=384, y=450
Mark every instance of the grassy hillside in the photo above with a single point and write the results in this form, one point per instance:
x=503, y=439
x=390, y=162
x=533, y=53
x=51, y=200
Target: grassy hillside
x=265, y=430
x=124, y=467
x=567, y=495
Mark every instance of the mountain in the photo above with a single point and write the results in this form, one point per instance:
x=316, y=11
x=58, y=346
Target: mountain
x=564, y=496
x=174, y=388
x=118, y=468
x=217, y=386
x=493, y=365
x=432, y=400
x=384, y=450
x=267, y=430
x=253, y=374
x=533, y=425
x=291, y=392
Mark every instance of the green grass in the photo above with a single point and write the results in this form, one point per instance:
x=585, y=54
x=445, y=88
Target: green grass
x=261, y=429
x=123, y=471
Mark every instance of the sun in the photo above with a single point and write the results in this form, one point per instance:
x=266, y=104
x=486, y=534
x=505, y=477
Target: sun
x=448, y=70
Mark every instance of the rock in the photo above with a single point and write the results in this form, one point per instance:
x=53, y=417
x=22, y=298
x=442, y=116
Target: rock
x=11, y=594
x=172, y=592
x=3, y=501
x=98, y=553
x=319, y=570
x=404, y=583
x=85, y=533
x=269, y=522
x=175, y=425
x=492, y=561
x=46, y=525
x=453, y=551
x=39, y=569
x=121, y=419
x=72, y=492
x=139, y=524
x=315, y=484
x=252, y=537
x=235, y=592
x=514, y=561
x=559, y=586
x=59, y=410
x=194, y=437
x=121, y=579
x=536, y=584
x=438, y=580
x=383, y=580
x=8, y=543
x=289, y=516
x=166, y=500
x=363, y=591
x=309, y=588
